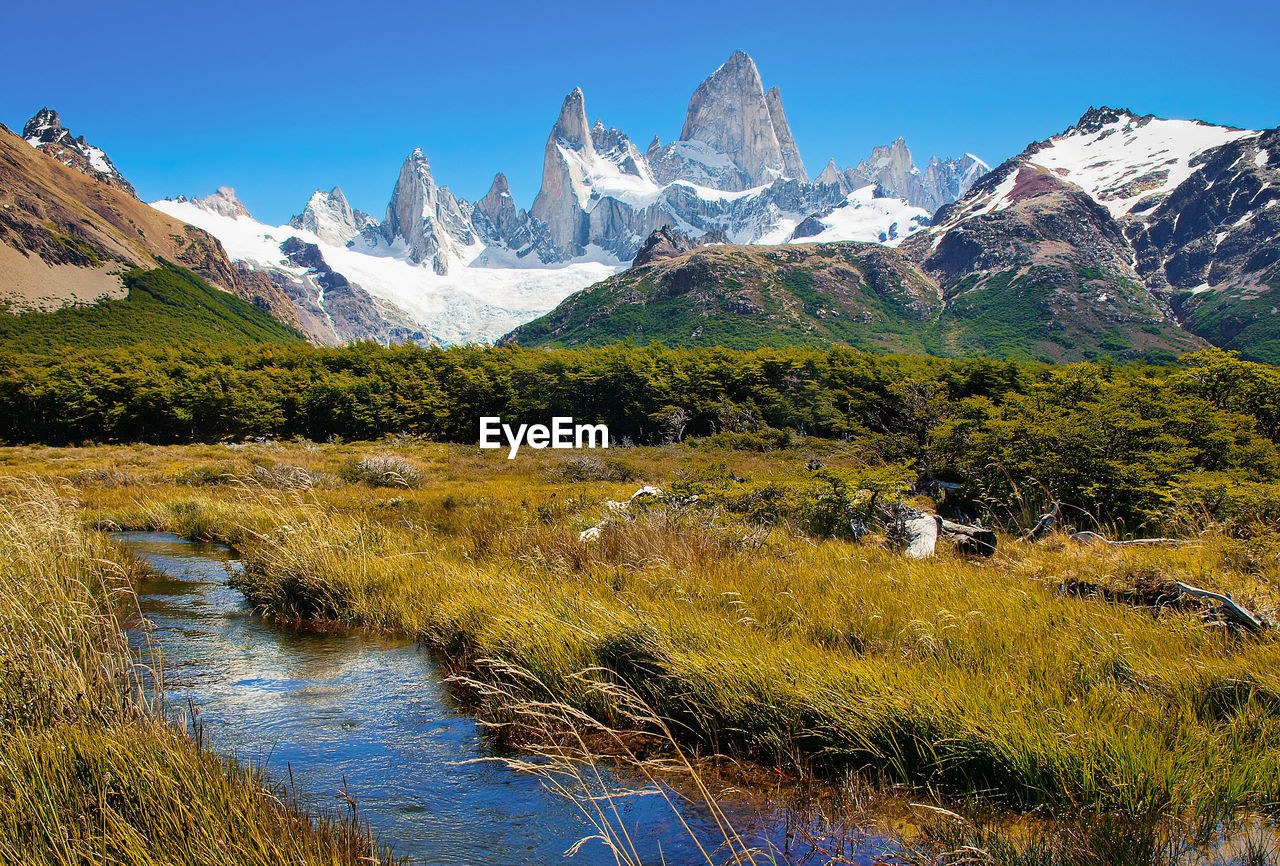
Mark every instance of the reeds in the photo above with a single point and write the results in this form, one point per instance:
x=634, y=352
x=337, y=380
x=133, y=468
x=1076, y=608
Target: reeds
x=91, y=769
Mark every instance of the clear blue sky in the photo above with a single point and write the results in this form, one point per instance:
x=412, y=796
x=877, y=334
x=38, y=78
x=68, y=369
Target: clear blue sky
x=277, y=99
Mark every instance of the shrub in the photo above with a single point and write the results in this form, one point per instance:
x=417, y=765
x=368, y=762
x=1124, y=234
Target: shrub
x=589, y=467
x=382, y=470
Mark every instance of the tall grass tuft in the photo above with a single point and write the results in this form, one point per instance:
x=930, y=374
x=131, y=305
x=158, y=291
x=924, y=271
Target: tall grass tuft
x=91, y=770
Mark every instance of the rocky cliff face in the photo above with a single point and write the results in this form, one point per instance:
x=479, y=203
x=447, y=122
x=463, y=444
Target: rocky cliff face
x=45, y=132
x=731, y=115
x=1212, y=247
x=331, y=218
x=332, y=308
x=947, y=180
x=433, y=225
x=792, y=164
x=1124, y=225
x=567, y=161
x=497, y=220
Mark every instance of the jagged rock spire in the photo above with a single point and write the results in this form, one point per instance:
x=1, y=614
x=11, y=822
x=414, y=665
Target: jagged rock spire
x=45, y=132
x=792, y=164
x=330, y=217
x=571, y=129
x=561, y=201
x=427, y=217
x=730, y=113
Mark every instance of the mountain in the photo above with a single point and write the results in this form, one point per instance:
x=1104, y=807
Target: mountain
x=1123, y=226
x=67, y=235
x=462, y=272
x=329, y=217
x=45, y=132
x=683, y=293
x=892, y=170
x=731, y=114
x=746, y=297
x=735, y=169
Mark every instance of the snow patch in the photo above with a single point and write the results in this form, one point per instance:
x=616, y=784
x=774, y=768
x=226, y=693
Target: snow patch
x=864, y=217
x=1147, y=159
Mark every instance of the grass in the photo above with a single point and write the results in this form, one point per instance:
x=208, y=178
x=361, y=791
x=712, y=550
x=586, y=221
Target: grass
x=972, y=678
x=91, y=770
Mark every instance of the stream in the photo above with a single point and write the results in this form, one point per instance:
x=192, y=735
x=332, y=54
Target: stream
x=373, y=712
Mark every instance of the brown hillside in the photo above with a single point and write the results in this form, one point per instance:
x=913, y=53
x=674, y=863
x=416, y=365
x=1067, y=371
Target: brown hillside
x=65, y=236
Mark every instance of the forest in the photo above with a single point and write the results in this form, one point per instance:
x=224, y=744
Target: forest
x=1123, y=442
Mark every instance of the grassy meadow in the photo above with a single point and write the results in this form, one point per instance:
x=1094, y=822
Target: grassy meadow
x=740, y=618
x=92, y=769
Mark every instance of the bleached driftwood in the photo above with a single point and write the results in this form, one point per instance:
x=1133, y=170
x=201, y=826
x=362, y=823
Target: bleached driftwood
x=1233, y=611
x=1089, y=537
x=917, y=532
x=615, y=507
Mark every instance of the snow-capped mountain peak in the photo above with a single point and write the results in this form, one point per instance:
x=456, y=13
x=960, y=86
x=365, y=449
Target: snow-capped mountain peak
x=45, y=132
x=1127, y=162
x=331, y=218
x=431, y=225
x=470, y=272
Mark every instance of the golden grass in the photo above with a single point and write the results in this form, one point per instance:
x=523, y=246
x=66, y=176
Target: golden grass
x=974, y=677
x=90, y=770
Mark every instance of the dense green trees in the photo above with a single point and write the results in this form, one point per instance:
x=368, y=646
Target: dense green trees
x=1110, y=439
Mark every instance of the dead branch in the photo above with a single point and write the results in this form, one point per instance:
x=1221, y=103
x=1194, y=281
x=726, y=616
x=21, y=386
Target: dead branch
x=1232, y=610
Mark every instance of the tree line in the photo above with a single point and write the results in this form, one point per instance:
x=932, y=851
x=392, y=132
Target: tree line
x=1092, y=431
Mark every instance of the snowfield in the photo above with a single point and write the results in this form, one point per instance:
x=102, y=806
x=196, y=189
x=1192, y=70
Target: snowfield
x=469, y=305
x=1130, y=160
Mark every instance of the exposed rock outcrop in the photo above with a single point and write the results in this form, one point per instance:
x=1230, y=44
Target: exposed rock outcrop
x=730, y=114
x=335, y=310
x=561, y=201
x=667, y=243
x=434, y=226
x=45, y=132
x=223, y=202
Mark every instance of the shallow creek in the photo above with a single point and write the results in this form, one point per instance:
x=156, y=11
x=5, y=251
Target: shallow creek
x=372, y=712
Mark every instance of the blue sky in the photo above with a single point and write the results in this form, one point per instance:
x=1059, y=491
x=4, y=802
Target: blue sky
x=277, y=99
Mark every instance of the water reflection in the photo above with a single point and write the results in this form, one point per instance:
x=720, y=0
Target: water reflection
x=370, y=711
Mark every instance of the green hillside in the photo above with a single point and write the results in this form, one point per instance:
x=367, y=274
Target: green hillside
x=742, y=297
x=860, y=295
x=164, y=305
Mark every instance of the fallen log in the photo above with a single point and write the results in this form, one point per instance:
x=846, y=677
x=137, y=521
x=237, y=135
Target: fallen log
x=1089, y=537
x=1229, y=608
x=921, y=535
